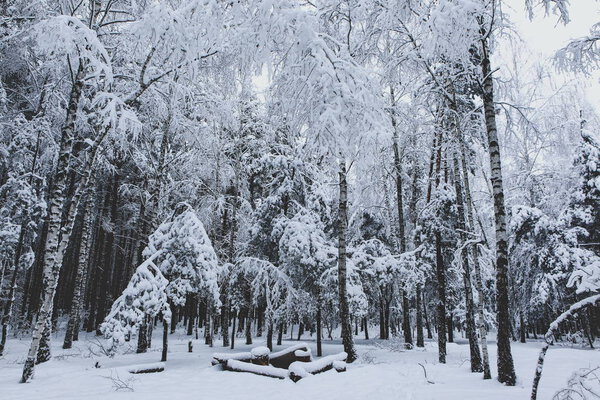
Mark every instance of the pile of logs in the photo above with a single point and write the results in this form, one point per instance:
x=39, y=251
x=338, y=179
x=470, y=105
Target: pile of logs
x=294, y=362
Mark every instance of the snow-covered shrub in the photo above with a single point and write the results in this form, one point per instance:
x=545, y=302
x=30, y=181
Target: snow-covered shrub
x=145, y=296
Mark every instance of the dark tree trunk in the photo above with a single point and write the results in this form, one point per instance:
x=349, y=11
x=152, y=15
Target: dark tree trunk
x=319, y=333
x=191, y=314
x=420, y=339
x=381, y=319
x=225, y=324
x=174, y=319
x=80, y=276
x=270, y=336
x=386, y=319
x=142, y=344
x=406, y=319
x=248, y=327
x=425, y=315
x=8, y=306
x=441, y=303
x=233, y=331
x=342, y=289
x=522, y=327
x=280, y=334
x=165, y=340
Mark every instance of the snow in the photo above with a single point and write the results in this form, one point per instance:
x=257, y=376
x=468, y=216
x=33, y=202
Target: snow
x=298, y=350
x=303, y=369
x=302, y=353
x=572, y=310
x=232, y=356
x=258, y=369
x=259, y=352
x=379, y=373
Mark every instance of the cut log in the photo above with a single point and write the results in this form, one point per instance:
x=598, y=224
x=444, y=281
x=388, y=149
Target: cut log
x=279, y=359
x=284, y=358
x=299, y=370
x=263, y=370
x=146, y=368
x=260, y=355
x=221, y=358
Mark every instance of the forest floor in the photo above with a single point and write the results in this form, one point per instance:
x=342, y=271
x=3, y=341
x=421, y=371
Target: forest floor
x=383, y=371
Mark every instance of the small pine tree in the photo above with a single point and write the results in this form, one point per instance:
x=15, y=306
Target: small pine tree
x=187, y=258
x=585, y=202
x=145, y=296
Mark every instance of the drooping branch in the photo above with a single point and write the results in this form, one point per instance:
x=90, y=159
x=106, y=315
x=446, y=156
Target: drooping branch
x=549, y=336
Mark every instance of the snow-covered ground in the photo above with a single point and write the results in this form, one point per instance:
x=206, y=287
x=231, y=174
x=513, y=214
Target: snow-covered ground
x=381, y=373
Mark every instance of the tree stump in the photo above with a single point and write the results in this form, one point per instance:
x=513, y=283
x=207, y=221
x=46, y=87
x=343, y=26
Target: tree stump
x=260, y=355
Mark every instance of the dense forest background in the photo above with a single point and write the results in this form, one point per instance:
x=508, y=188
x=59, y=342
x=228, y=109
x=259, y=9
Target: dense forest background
x=244, y=167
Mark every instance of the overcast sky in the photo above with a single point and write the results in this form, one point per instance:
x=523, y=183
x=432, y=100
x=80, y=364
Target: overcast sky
x=545, y=35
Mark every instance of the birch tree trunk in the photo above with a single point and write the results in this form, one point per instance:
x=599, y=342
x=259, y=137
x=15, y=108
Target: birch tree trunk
x=80, y=277
x=506, y=370
x=470, y=314
x=549, y=337
x=56, y=200
x=342, y=272
x=478, y=279
x=64, y=234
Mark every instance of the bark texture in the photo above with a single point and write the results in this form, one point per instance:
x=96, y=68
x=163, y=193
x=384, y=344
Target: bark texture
x=80, y=274
x=506, y=369
x=56, y=200
x=342, y=272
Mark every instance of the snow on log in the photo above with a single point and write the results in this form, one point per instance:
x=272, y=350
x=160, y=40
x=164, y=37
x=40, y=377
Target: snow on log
x=279, y=359
x=221, y=358
x=299, y=370
x=146, y=368
x=339, y=366
x=264, y=370
x=283, y=358
x=260, y=355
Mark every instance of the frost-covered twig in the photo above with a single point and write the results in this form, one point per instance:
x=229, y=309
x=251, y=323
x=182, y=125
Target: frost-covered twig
x=583, y=383
x=120, y=384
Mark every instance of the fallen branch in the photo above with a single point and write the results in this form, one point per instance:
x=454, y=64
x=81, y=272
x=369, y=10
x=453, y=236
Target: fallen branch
x=425, y=372
x=120, y=384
